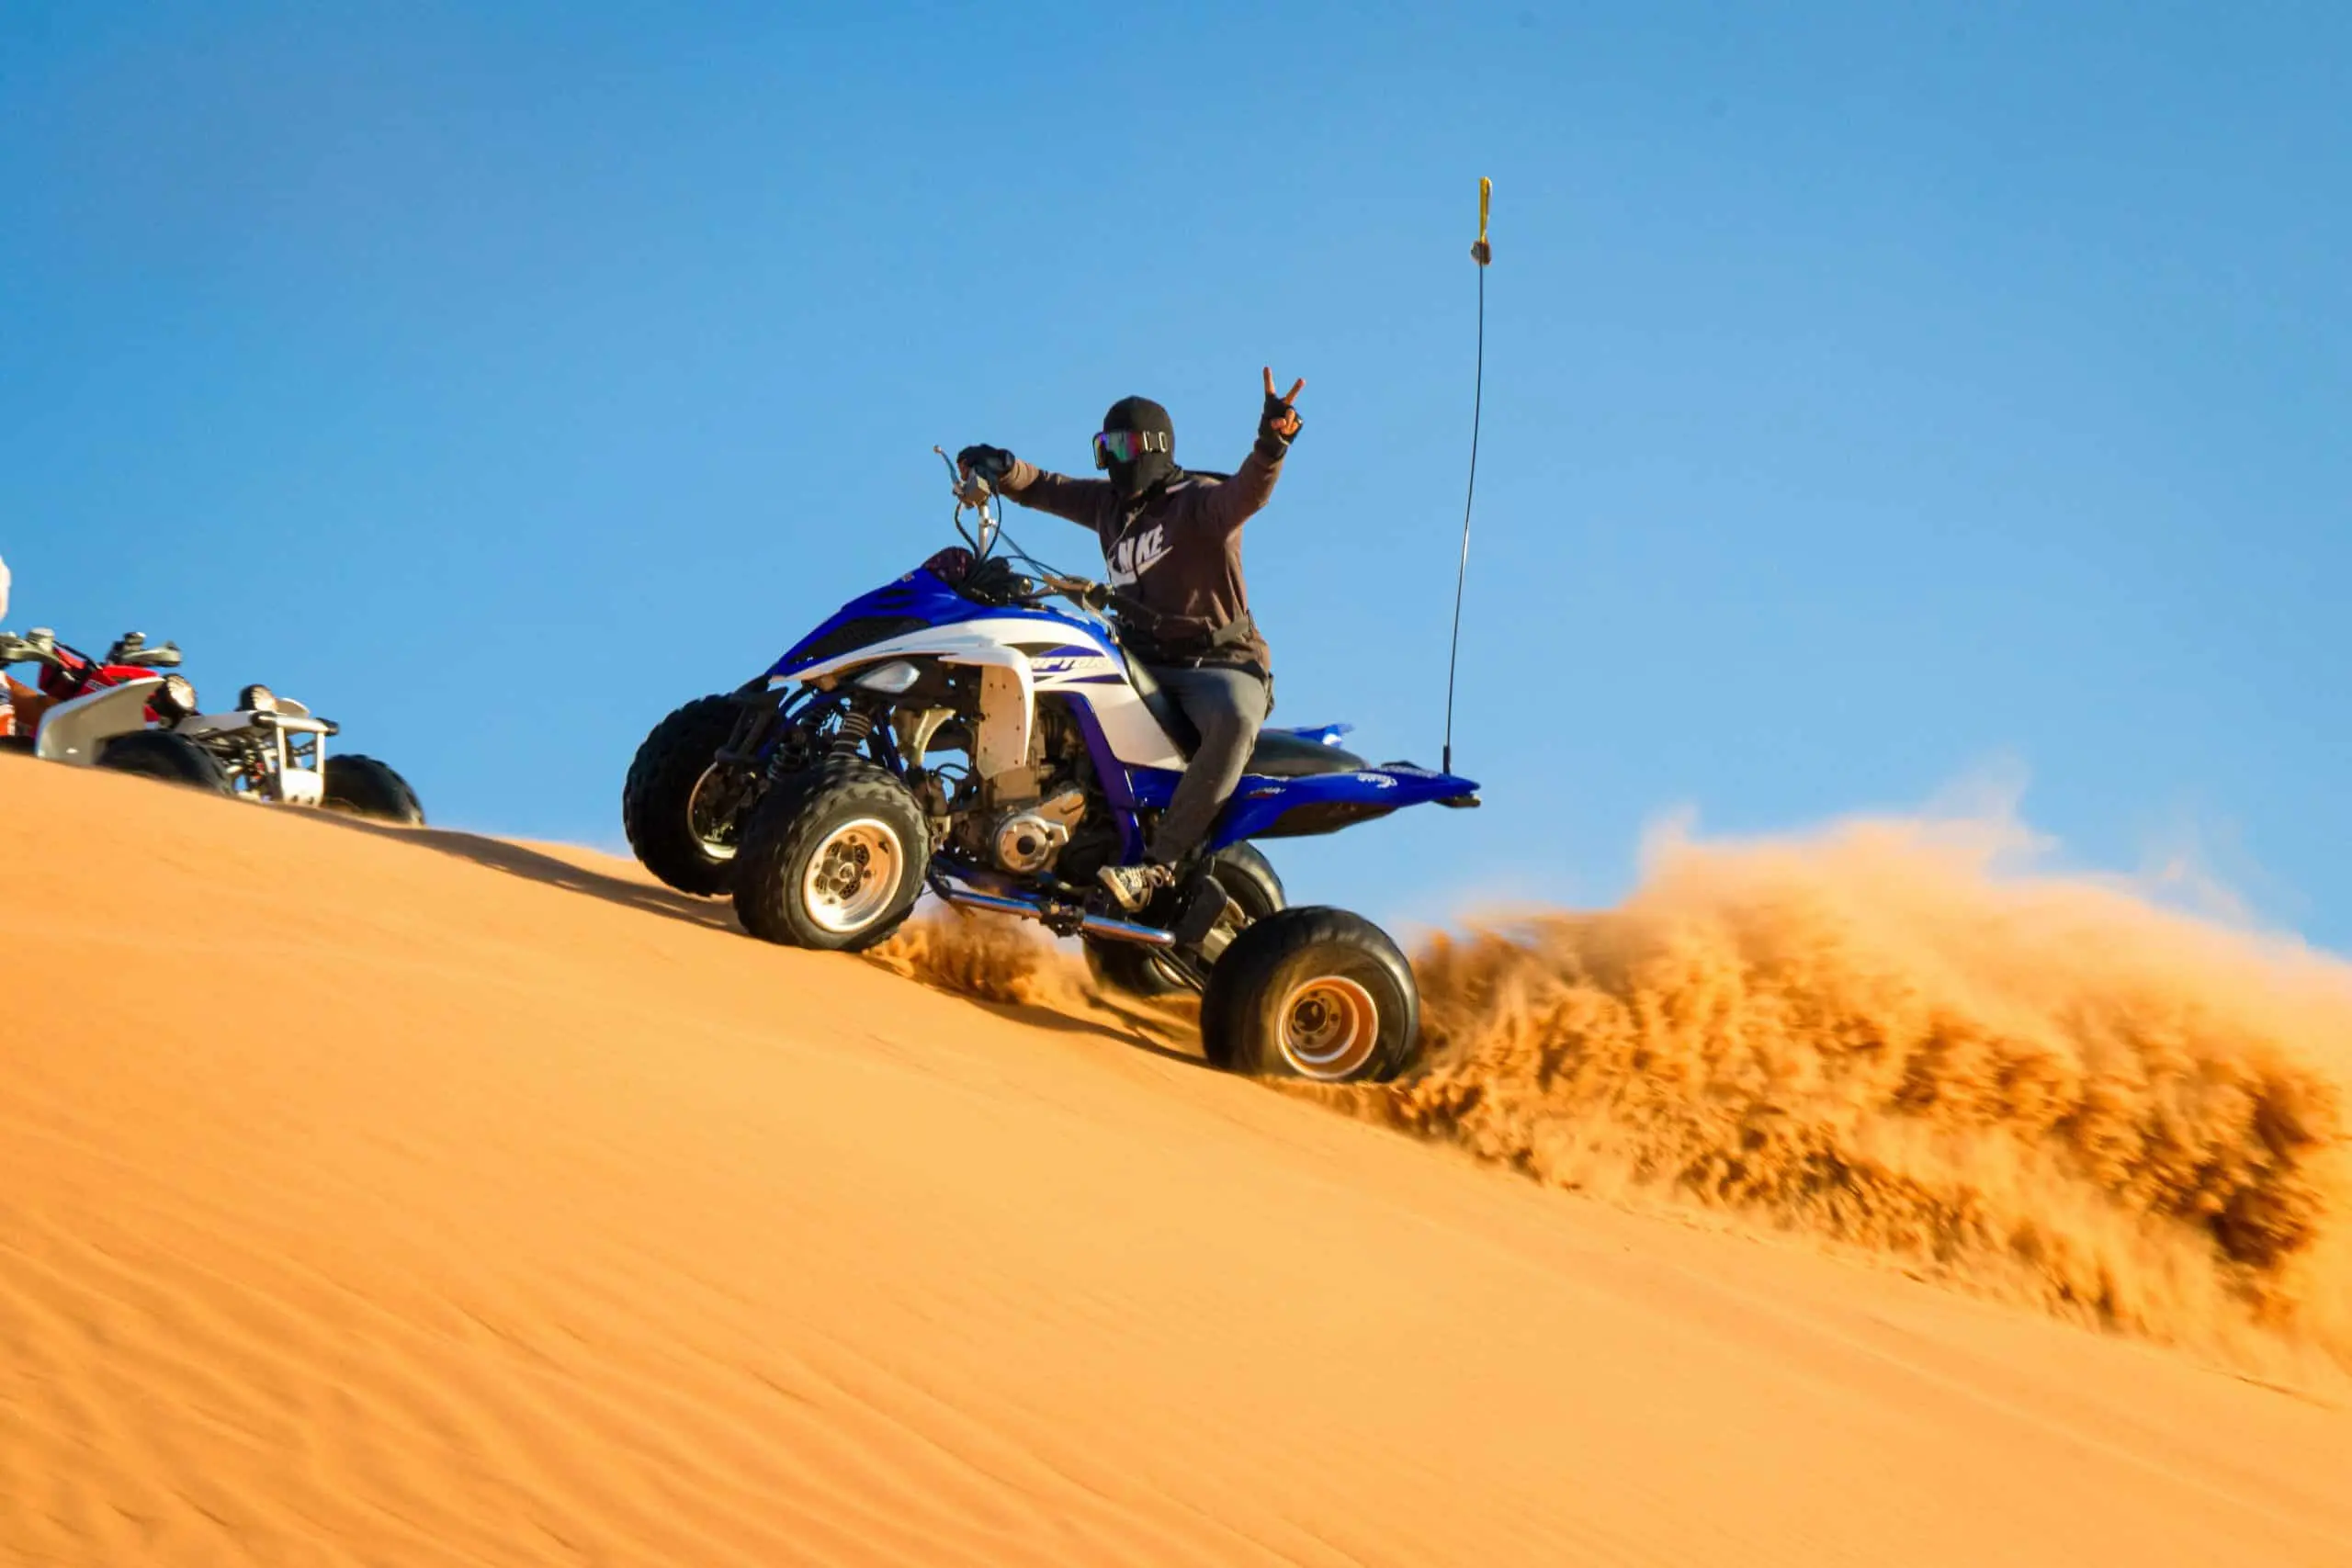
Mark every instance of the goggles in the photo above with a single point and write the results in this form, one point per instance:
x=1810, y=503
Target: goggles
x=1126, y=445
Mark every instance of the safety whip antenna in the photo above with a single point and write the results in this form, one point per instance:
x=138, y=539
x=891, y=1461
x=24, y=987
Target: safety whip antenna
x=1483, y=253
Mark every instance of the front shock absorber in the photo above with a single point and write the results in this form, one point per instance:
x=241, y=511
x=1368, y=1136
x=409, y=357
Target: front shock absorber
x=856, y=725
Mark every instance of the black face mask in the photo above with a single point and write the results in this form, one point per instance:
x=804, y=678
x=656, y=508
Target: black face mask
x=1154, y=459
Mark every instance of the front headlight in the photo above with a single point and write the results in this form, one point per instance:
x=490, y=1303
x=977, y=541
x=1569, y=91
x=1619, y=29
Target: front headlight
x=890, y=678
x=175, y=699
x=257, y=699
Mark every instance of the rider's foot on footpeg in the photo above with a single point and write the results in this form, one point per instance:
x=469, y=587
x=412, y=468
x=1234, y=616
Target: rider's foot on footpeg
x=1204, y=900
x=1133, y=885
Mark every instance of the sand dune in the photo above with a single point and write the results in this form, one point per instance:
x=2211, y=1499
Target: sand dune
x=384, y=1198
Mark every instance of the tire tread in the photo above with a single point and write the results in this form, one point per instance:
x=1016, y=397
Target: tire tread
x=662, y=776
x=1249, y=966
x=163, y=754
x=381, y=794
x=782, y=829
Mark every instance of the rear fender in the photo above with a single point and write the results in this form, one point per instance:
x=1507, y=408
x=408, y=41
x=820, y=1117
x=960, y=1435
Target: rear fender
x=1321, y=734
x=1324, y=803
x=77, y=731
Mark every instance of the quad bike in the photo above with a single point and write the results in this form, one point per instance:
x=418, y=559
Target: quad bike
x=118, y=712
x=953, y=731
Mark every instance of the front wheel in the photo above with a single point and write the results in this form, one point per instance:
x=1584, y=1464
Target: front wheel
x=1314, y=993
x=832, y=859
x=165, y=754
x=364, y=786
x=681, y=809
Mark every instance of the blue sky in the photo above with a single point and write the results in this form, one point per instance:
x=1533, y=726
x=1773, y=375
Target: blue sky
x=1875, y=395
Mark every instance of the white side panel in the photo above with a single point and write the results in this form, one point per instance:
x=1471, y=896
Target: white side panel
x=72, y=732
x=1134, y=737
x=966, y=642
x=1006, y=703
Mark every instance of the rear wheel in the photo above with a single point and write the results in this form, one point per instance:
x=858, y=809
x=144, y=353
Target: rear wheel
x=832, y=859
x=1248, y=878
x=1314, y=993
x=682, y=810
x=364, y=786
x=164, y=754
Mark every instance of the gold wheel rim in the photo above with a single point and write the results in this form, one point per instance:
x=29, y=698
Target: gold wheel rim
x=1329, y=1028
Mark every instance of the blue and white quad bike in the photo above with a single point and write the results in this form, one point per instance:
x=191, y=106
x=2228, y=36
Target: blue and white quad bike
x=953, y=730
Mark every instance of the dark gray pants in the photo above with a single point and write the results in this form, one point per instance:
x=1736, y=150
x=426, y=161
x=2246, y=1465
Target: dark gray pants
x=1227, y=707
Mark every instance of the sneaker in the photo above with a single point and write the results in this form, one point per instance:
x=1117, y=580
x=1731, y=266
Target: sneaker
x=1134, y=886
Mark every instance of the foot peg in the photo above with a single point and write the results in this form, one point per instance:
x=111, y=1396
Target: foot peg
x=1204, y=904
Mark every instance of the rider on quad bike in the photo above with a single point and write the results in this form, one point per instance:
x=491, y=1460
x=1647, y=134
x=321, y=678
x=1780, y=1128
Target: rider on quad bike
x=1171, y=542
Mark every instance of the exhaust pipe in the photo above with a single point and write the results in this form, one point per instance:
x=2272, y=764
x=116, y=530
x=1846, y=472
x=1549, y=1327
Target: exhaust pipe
x=1029, y=909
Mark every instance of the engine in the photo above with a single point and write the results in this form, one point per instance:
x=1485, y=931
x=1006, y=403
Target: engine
x=1025, y=839
x=1020, y=818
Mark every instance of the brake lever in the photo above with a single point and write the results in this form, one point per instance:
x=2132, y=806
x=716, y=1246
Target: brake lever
x=970, y=489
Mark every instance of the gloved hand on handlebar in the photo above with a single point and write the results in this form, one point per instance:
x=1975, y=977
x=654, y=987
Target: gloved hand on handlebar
x=989, y=463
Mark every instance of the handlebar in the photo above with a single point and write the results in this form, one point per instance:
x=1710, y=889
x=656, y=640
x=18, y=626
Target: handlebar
x=38, y=647
x=970, y=488
x=1080, y=591
x=973, y=491
x=130, y=649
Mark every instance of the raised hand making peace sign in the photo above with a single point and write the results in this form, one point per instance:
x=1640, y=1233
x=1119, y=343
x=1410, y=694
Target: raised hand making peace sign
x=1280, y=421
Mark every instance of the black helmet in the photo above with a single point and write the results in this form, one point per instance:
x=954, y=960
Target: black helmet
x=1137, y=445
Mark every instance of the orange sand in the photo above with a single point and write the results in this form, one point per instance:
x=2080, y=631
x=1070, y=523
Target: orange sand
x=382, y=1197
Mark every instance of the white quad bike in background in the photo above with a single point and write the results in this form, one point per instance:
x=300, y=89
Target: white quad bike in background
x=120, y=713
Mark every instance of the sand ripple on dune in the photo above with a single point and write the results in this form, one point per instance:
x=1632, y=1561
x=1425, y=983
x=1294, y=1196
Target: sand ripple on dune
x=376, y=1198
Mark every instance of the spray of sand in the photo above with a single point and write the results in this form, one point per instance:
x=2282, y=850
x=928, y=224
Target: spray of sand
x=988, y=957
x=994, y=958
x=2049, y=1090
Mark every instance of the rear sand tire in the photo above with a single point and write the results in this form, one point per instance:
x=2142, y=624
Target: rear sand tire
x=163, y=754
x=832, y=859
x=1315, y=993
x=673, y=805
x=364, y=786
x=1248, y=878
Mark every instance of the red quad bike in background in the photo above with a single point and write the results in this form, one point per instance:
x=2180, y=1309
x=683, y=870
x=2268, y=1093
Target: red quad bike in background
x=121, y=712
